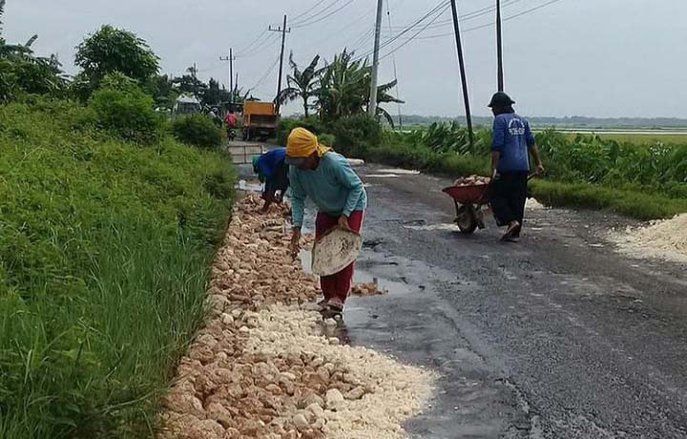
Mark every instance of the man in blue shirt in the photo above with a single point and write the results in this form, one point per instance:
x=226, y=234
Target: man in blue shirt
x=271, y=168
x=512, y=145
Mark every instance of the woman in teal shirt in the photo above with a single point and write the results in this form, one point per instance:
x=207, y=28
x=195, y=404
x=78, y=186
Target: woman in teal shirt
x=329, y=181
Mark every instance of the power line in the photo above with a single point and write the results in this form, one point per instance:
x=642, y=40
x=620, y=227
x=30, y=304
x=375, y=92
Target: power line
x=268, y=43
x=482, y=26
x=433, y=11
x=266, y=75
x=306, y=12
x=301, y=25
x=346, y=28
x=442, y=5
x=317, y=13
x=363, y=40
x=415, y=34
x=398, y=91
x=248, y=47
x=466, y=17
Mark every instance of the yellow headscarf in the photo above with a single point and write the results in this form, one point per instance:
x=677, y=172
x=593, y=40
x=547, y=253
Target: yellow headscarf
x=302, y=143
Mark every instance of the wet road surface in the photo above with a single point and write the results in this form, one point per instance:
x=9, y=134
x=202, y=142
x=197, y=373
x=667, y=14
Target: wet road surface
x=555, y=337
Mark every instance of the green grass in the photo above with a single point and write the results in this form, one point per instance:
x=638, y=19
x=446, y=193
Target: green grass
x=641, y=138
x=634, y=204
x=105, y=250
x=565, y=189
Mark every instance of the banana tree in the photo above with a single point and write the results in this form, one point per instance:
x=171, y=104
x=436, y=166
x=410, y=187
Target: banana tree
x=383, y=97
x=345, y=89
x=303, y=84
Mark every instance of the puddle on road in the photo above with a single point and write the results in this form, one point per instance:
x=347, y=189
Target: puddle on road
x=361, y=276
x=382, y=176
x=432, y=227
x=399, y=171
x=393, y=288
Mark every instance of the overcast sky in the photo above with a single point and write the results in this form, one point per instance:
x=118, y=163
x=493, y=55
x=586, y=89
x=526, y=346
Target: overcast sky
x=604, y=58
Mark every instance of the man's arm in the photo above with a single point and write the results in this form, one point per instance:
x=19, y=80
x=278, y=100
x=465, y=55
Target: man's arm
x=269, y=199
x=495, y=157
x=534, y=150
x=537, y=158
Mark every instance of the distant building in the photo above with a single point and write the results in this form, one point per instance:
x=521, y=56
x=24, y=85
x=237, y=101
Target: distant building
x=187, y=104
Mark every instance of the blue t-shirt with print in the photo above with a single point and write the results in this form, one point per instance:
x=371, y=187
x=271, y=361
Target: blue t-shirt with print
x=513, y=139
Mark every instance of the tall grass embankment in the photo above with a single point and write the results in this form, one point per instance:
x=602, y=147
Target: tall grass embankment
x=105, y=249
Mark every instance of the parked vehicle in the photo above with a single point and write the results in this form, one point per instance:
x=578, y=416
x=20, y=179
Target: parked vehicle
x=260, y=120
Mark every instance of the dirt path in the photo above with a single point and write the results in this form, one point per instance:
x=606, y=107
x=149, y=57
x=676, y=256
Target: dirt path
x=265, y=366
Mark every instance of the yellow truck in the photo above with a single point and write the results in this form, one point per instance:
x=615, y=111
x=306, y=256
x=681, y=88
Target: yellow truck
x=260, y=120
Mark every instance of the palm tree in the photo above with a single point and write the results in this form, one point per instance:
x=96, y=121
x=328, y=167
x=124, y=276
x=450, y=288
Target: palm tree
x=302, y=84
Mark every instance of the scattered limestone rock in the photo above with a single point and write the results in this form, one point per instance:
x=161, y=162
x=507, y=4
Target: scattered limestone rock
x=301, y=422
x=261, y=367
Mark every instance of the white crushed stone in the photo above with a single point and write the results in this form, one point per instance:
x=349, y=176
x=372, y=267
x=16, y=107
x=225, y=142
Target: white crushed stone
x=533, y=204
x=387, y=392
x=262, y=369
x=665, y=240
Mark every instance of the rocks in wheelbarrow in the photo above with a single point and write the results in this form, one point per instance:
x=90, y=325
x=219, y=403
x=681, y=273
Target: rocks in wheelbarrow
x=472, y=180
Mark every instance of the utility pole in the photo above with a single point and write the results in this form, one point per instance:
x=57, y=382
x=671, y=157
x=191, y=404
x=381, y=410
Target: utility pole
x=372, y=106
x=283, y=31
x=231, y=60
x=463, y=78
x=499, y=45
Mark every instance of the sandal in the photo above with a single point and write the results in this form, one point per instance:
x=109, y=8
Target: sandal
x=332, y=312
x=332, y=309
x=512, y=232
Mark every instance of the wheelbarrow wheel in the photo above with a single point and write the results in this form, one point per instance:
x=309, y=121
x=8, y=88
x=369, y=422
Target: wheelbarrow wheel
x=467, y=219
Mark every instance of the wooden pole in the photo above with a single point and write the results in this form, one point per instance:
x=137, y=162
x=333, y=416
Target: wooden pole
x=463, y=78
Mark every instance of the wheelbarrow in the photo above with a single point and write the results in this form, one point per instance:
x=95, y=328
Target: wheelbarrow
x=470, y=204
x=470, y=201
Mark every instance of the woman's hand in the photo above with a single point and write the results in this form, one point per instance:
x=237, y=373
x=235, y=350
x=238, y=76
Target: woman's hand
x=295, y=246
x=343, y=223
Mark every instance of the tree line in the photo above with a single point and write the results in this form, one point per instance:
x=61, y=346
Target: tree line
x=332, y=90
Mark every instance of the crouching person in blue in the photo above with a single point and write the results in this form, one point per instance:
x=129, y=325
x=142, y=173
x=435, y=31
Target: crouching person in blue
x=272, y=169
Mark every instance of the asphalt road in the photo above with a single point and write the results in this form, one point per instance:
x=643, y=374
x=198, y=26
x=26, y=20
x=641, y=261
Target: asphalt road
x=555, y=337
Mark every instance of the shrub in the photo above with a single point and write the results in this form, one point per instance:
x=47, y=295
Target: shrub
x=356, y=135
x=198, y=130
x=127, y=112
x=287, y=125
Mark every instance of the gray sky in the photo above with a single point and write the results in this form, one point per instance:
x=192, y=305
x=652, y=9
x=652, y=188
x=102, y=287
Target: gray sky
x=603, y=58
